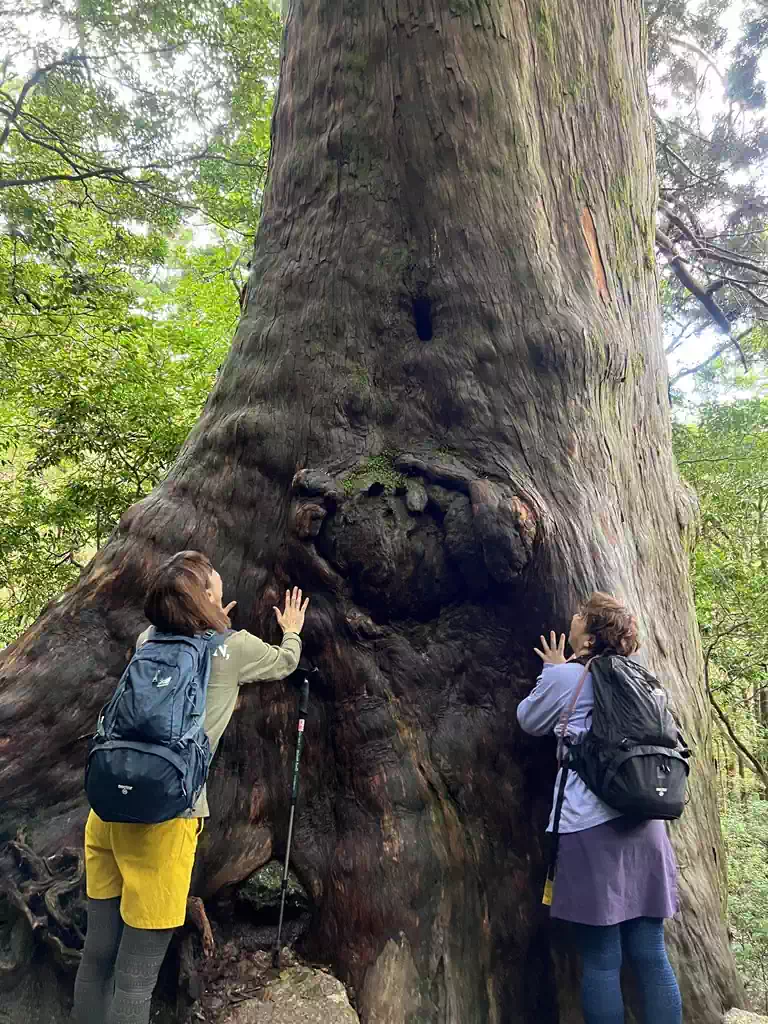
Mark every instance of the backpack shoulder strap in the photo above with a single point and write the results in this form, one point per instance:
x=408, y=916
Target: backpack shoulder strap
x=562, y=761
x=212, y=634
x=555, y=839
x=567, y=711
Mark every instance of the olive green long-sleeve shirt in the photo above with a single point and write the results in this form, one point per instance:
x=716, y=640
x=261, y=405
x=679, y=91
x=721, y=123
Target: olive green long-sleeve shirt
x=243, y=658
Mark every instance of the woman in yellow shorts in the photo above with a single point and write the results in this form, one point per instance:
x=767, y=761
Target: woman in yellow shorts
x=138, y=876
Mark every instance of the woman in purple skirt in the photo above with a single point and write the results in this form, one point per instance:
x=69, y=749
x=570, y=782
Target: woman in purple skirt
x=616, y=879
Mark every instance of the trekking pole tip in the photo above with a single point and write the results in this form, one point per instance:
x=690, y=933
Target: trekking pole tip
x=276, y=958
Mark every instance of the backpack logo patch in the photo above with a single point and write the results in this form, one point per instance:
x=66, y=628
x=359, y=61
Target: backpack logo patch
x=125, y=790
x=160, y=681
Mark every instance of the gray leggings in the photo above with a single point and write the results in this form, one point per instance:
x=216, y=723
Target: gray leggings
x=119, y=968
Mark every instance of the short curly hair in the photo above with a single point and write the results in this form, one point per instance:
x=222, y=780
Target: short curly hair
x=611, y=623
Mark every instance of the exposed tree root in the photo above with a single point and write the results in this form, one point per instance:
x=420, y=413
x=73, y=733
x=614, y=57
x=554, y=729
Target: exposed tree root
x=197, y=916
x=46, y=895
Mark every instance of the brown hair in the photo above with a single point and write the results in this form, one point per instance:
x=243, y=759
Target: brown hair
x=177, y=601
x=612, y=624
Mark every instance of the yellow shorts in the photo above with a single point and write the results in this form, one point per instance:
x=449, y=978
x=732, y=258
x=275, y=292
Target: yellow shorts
x=148, y=866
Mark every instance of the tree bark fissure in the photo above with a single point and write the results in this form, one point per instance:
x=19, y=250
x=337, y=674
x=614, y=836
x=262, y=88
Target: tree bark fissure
x=444, y=415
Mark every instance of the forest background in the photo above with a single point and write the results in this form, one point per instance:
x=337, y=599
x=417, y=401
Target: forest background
x=134, y=141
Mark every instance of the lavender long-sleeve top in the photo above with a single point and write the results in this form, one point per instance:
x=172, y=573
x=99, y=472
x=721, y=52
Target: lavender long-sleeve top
x=539, y=714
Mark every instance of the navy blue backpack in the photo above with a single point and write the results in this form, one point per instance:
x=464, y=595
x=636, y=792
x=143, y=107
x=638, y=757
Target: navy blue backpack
x=150, y=756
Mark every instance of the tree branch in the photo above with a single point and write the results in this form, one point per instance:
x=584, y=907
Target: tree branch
x=678, y=341
x=66, y=157
x=109, y=172
x=735, y=342
x=680, y=224
x=745, y=287
x=720, y=458
x=112, y=173
x=689, y=44
x=757, y=768
x=683, y=275
x=713, y=253
x=668, y=149
x=239, y=286
x=718, y=254
x=755, y=764
x=29, y=85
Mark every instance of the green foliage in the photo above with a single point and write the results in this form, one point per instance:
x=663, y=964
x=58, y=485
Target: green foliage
x=745, y=828
x=91, y=420
x=724, y=456
x=133, y=147
x=136, y=110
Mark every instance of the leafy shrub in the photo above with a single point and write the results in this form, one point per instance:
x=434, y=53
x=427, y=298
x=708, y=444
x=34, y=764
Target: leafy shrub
x=745, y=828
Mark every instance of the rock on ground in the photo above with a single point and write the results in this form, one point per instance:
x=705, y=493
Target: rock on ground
x=263, y=889
x=300, y=995
x=737, y=1016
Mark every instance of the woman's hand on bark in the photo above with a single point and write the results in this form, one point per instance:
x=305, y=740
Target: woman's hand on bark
x=553, y=653
x=291, y=619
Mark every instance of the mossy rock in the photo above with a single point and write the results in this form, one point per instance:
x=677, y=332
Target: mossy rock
x=261, y=891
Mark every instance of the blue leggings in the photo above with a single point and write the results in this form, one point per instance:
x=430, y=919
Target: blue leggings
x=643, y=942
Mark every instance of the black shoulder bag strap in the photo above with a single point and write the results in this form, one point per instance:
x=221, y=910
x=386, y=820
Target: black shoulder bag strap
x=562, y=760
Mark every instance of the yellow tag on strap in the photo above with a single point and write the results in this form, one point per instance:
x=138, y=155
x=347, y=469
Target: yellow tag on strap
x=546, y=899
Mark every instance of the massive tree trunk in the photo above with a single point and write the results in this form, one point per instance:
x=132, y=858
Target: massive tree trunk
x=444, y=415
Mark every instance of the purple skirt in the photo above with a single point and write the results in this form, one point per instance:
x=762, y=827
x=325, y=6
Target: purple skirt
x=615, y=872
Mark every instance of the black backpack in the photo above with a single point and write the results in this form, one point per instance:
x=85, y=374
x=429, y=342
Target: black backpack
x=633, y=756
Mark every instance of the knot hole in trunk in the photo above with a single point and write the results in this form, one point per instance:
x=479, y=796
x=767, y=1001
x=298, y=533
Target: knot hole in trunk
x=422, y=317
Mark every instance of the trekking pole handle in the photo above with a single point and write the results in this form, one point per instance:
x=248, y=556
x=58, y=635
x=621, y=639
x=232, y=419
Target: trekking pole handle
x=304, y=698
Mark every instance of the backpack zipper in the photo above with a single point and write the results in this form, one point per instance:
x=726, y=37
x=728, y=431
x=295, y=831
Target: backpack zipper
x=659, y=710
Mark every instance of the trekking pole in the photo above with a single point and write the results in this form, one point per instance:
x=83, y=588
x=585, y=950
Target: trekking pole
x=303, y=705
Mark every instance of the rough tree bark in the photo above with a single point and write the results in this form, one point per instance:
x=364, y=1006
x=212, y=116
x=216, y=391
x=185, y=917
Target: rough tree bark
x=444, y=414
